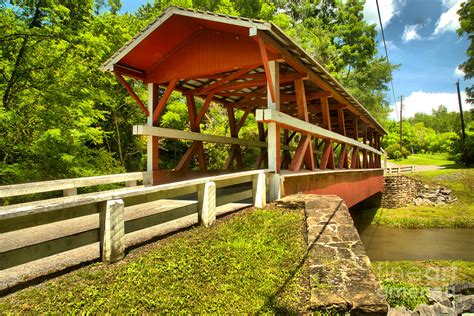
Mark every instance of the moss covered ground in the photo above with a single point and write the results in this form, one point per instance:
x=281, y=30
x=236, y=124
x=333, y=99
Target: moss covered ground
x=250, y=262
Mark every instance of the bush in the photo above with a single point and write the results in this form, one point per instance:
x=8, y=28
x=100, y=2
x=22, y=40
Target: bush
x=393, y=152
x=402, y=294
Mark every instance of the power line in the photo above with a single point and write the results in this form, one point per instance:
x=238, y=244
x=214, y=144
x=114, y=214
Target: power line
x=386, y=55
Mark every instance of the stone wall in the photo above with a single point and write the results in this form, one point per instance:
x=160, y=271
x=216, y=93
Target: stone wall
x=401, y=191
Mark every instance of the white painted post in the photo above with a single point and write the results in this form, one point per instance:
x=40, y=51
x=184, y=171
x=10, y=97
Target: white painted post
x=112, y=230
x=152, y=141
x=275, y=186
x=259, y=187
x=70, y=192
x=274, y=133
x=207, y=203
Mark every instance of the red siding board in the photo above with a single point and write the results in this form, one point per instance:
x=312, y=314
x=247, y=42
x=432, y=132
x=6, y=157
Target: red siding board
x=353, y=187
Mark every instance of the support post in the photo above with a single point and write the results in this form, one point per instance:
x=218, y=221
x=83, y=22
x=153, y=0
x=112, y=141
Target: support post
x=275, y=186
x=152, y=152
x=355, y=160
x=327, y=159
x=259, y=188
x=207, y=203
x=112, y=230
x=273, y=153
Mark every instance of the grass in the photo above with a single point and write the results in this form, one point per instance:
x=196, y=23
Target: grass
x=432, y=274
x=437, y=159
x=248, y=263
x=406, y=283
x=456, y=215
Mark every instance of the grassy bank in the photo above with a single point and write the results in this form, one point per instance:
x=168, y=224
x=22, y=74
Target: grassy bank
x=438, y=159
x=248, y=263
x=457, y=215
x=431, y=274
x=406, y=283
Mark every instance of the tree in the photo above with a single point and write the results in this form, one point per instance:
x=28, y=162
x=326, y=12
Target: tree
x=466, y=22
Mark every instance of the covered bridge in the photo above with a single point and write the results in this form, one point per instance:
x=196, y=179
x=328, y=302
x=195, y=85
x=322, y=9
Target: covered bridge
x=313, y=135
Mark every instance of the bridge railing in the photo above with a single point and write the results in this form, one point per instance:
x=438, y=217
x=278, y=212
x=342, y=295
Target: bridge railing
x=70, y=186
x=108, y=217
x=297, y=125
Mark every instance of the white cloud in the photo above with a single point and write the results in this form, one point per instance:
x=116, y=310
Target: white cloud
x=410, y=32
x=448, y=3
x=390, y=45
x=449, y=20
x=425, y=102
x=458, y=72
x=388, y=9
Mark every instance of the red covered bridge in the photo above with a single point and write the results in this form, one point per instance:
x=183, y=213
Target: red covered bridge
x=252, y=66
x=312, y=136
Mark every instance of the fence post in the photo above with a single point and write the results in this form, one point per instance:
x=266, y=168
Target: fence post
x=274, y=183
x=207, y=203
x=412, y=168
x=112, y=230
x=259, y=188
x=70, y=192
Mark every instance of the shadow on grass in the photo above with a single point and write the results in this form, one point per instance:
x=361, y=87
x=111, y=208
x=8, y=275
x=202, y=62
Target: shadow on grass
x=271, y=302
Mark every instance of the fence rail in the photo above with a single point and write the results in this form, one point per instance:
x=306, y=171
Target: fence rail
x=392, y=170
x=70, y=186
x=106, y=217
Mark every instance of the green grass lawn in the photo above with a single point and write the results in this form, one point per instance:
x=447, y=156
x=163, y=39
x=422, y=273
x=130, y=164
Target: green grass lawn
x=438, y=159
x=248, y=263
x=460, y=214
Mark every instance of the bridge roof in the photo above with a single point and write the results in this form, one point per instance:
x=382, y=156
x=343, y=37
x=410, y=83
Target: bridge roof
x=171, y=47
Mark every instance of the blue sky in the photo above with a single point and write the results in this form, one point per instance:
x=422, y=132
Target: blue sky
x=421, y=38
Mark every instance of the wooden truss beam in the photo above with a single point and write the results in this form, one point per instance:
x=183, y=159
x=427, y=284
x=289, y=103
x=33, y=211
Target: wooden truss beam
x=300, y=67
x=327, y=159
x=131, y=92
x=343, y=161
x=304, y=151
x=197, y=146
x=161, y=105
x=215, y=85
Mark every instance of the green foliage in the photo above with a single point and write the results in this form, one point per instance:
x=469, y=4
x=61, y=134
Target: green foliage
x=393, y=152
x=466, y=21
x=402, y=294
x=237, y=266
x=439, y=132
x=435, y=159
x=61, y=117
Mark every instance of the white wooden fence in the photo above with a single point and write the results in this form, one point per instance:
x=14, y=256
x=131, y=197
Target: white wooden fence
x=392, y=170
x=121, y=211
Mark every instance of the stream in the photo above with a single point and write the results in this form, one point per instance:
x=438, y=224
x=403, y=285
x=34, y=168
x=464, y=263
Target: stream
x=388, y=243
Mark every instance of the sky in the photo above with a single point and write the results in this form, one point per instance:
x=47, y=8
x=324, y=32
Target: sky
x=421, y=38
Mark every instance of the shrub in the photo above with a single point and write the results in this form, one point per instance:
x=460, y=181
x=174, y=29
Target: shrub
x=402, y=294
x=393, y=152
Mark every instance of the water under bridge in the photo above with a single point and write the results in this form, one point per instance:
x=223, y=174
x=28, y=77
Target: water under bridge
x=312, y=136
